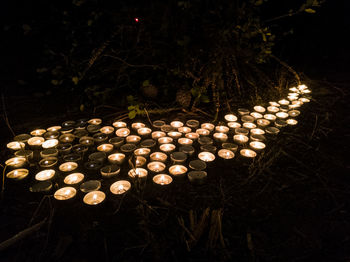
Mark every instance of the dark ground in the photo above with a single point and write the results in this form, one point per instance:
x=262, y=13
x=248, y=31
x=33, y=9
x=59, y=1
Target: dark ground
x=294, y=208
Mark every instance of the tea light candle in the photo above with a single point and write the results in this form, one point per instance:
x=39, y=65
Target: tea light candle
x=158, y=134
x=158, y=124
x=249, y=125
x=66, y=130
x=108, y=130
x=259, y=109
x=272, y=130
x=64, y=148
x=176, y=124
x=35, y=141
x=110, y=171
x=241, y=131
x=68, y=167
x=197, y=177
x=22, y=138
x=233, y=125
x=138, y=125
x=138, y=173
x=45, y=175
x=15, y=145
x=257, y=131
x=69, y=123
x=292, y=122
x=203, y=132
x=304, y=100
x=162, y=179
x=51, y=143
x=100, y=138
x=294, y=89
x=119, y=124
x=248, y=153
x=86, y=141
x=38, y=132
x=240, y=139
x=226, y=154
x=197, y=165
x=123, y=132
x=192, y=136
x=80, y=149
x=48, y=162
x=192, y=123
x=220, y=137
x=116, y=158
x=272, y=109
x=294, y=113
x=167, y=128
x=206, y=156
x=27, y=154
x=107, y=148
x=127, y=148
x=256, y=115
x=120, y=187
x=257, y=146
x=222, y=129
x=90, y=186
x=18, y=174
x=174, y=134
x=98, y=156
x=165, y=140
x=140, y=161
x=73, y=179
x=51, y=135
x=144, y=131
x=65, y=193
x=148, y=143
x=94, y=198
x=247, y=119
x=188, y=150
x=230, y=146
x=66, y=138
x=167, y=148
x=205, y=140
x=283, y=102
x=282, y=115
x=270, y=117
x=259, y=138
x=274, y=104
x=177, y=170
x=116, y=141
x=184, y=129
x=243, y=111
x=185, y=141
x=178, y=157
x=53, y=128
x=208, y=148
x=72, y=158
x=95, y=121
x=142, y=152
x=280, y=123
x=158, y=156
x=230, y=118
x=156, y=166
x=50, y=152
x=208, y=126
x=263, y=122
x=16, y=162
x=293, y=96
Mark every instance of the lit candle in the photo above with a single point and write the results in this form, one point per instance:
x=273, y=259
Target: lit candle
x=222, y=129
x=107, y=148
x=16, y=162
x=165, y=140
x=53, y=128
x=100, y=138
x=178, y=157
x=120, y=187
x=284, y=102
x=158, y=134
x=64, y=148
x=192, y=123
x=132, y=139
x=270, y=117
x=184, y=129
x=18, y=174
x=94, y=198
x=69, y=123
x=294, y=113
x=156, y=166
x=15, y=145
x=65, y=193
x=282, y=115
x=137, y=125
x=144, y=131
x=108, y=130
x=230, y=146
x=304, y=100
x=142, y=152
x=226, y=154
x=294, y=89
x=206, y=156
x=292, y=122
x=177, y=170
x=35, y=141
x=176, y=124
x=140, y=161
x=257, y=131
x=274, y=104
x=68, y=167
x=162, y=179
x=51, y=143
x=185, y=141
x=158, y=156
x=220, y=137
x=90, y=186
x=247, y=119
x=80, y=149
x=256, y=115
x=208, y=126
x=110, y=171
x=174, y=134
x=197, y=177
x=86, y=141
x=240, y=139
x=66, y=138
x=73, y=179
x=263, y=122
x=45, y=175
x=138, y=173
x=249, y=125
x=192, y=136
x=273, y=109
x=38, y=132
x=95, y=121
x=51, y=135
x=123, y=132
x=48, y=162
x=234, y=125
x=197, y=165
x=248, y=153
x=242, y=111
x=119, y=124
x=167, y=148
x=259, y=109
x=257, y=146
x=116, y=158
x=203, y=132
x=230, y=118
x=158, y=124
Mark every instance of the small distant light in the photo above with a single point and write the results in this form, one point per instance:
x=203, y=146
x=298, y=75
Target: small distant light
x=136, y=19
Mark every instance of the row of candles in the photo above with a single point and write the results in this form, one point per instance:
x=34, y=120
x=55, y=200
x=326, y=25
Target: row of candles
x=81, y=147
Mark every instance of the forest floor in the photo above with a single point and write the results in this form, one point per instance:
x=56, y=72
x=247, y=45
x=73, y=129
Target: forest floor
x=291, y=204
